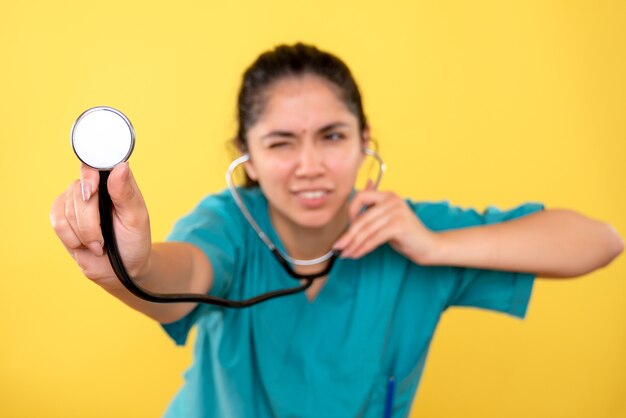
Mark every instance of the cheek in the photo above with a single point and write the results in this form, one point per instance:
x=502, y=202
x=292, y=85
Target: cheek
x=345, y=168
x=273, y=172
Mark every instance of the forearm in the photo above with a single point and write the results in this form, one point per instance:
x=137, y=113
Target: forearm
x=174, y=268
x=551, y=243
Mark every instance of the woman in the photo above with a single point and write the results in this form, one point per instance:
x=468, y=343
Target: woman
x=333, y=351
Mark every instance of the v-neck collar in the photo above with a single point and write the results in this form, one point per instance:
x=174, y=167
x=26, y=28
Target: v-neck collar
x=300, y=297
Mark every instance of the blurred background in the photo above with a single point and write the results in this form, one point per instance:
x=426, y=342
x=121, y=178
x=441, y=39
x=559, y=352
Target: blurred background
x=480, y=103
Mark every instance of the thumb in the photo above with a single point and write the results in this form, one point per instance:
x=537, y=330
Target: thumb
x=124, y=192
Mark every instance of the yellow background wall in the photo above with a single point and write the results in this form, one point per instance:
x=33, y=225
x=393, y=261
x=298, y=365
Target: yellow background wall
x=479, y=102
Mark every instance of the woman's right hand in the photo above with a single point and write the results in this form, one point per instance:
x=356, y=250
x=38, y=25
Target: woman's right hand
x=75, y=218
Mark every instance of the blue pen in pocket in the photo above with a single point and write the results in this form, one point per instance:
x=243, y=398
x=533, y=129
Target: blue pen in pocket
x=391, y=385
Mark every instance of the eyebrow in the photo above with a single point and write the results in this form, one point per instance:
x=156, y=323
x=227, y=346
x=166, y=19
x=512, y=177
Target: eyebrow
x=288, y=134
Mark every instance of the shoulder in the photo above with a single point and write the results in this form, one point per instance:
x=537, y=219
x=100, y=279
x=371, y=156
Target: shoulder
x=224, y=203
x=434, y=214
x=221, y=208
x=441, y=215
x=225, y=200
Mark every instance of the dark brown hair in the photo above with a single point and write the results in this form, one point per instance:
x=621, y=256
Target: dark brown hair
x=291, y=61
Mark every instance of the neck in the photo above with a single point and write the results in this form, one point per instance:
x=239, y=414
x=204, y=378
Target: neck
x=308, y=243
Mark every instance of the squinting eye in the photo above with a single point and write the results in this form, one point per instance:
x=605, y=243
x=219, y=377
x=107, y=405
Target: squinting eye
x=334, y=136
x=277, y=144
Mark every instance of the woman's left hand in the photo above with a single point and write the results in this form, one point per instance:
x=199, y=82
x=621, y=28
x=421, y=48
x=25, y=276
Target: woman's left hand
x=387, y=218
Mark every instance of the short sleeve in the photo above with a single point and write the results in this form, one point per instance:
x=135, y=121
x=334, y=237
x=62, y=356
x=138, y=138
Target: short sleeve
x=501, y=291
x=215, y=228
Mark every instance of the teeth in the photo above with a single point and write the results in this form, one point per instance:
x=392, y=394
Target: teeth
x=312, y=195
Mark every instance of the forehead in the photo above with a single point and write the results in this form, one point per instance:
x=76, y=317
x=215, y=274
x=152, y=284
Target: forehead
x=303, y=103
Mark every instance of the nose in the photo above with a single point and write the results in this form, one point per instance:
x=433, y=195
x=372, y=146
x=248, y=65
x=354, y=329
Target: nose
x=310, y=161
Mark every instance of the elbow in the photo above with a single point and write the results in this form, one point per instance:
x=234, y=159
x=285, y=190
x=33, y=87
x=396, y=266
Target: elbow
x=616, y=244
x=608, y=246
x=613, y=246
x=608, y=242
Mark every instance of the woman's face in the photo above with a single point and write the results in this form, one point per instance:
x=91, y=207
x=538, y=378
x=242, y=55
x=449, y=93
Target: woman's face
x=305, y=151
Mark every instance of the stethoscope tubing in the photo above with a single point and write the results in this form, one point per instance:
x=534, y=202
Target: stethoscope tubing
x=112, y=250
x=285, y=259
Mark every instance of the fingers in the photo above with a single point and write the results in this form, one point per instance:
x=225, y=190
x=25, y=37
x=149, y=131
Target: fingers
x=386, y=218
x=69, y=212
x=375, y=238
x=92, y=266
x=365, y=199
x=89, y=181
x=86, y=222
x=367, y=226
x=129, y=205
x=61, y=225
x=76, y=222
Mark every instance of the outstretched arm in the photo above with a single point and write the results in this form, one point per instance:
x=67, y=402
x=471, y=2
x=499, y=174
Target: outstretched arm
x=555, y=243
x=171, y=267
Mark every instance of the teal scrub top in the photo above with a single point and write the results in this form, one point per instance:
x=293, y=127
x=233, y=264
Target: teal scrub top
x=373, y=320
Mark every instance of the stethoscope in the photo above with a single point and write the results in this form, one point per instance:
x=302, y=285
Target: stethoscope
x=103, y=137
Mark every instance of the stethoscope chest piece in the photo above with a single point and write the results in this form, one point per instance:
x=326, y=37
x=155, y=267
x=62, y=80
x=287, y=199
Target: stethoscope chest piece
x=102, y=137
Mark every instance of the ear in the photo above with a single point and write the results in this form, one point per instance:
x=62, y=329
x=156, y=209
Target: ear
x=365, y=141
x=250, y=170
x=365, y=137
x=248, y=165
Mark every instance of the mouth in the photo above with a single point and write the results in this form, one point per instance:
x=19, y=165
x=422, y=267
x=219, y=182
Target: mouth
x=312, y=198
x=312, y=194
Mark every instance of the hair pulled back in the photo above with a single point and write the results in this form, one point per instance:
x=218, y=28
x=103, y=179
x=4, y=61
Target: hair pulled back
x=286, y=61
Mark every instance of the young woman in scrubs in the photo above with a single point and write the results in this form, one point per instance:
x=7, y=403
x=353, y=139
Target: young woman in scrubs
x=333, y=351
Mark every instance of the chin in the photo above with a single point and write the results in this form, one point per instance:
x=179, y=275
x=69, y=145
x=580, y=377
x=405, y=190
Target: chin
x=313, y=220
x=312, y=217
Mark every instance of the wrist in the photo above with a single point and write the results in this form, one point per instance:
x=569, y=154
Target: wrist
x=137, y=273
x=435, y=253
x=114, y=285
x=141, y=273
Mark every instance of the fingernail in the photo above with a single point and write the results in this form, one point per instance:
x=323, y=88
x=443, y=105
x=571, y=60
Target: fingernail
x=85, y=189
x=96, y=248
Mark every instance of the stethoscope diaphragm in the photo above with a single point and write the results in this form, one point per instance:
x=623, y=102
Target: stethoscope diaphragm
x=102, y=137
